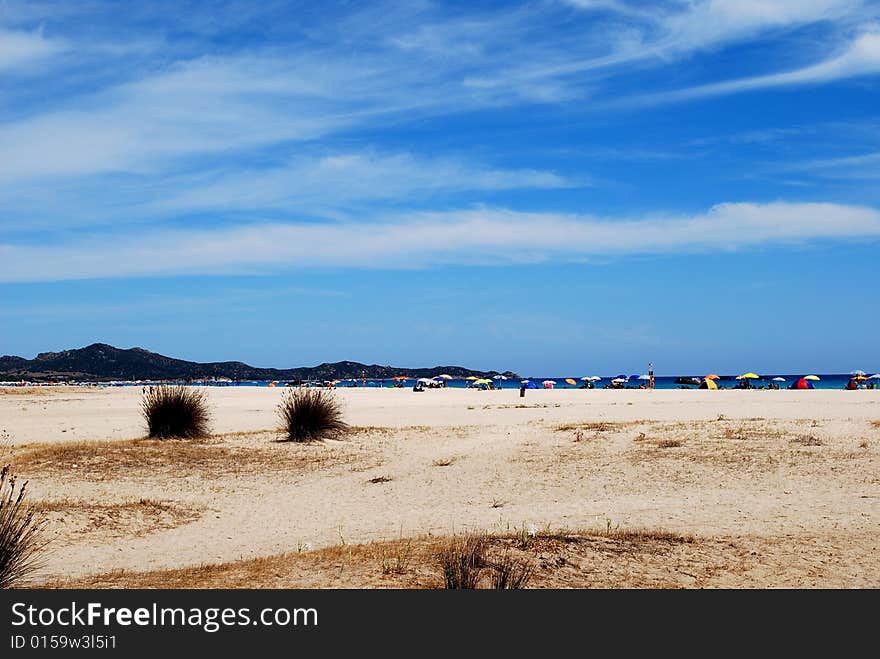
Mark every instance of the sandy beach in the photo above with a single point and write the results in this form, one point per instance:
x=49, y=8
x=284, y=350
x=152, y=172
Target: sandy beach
x=769, y=488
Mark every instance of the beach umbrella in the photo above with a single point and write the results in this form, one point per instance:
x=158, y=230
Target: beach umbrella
x=472, y=377
x=594, y=378
x=644, y=377
x=400, y=377
x=621, y=376
x=549, y=384
x=712, y=376
x=748, y=376
x=803, y=383
x=778, y=379
x=814, y=378
x=585, y=379
x=424, y=380
x=857, y=373
x=528, y=384
x=445, y=376
x=618, y=380
x=499, y=377
x=708, y=384
x=876, y=376
x=483, y=381
x=570, y=381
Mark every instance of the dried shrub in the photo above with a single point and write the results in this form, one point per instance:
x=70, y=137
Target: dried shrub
x=509, y=573
x=176, y=411
x=462, y=560
x=20, y=526
x=669, y=443
x=807, y=440
x=310, y=415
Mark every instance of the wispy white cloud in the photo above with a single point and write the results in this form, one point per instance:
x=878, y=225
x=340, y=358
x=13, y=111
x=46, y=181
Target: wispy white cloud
x=860, y=57
x=489, y=237
x=20, y=49
x=313, y=186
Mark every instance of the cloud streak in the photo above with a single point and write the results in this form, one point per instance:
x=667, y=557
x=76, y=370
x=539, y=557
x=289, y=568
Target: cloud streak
x=484, y=237
x=861, y=57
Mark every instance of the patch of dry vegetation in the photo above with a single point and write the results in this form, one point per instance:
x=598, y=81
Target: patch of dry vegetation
x=807, y=440
x=609, y=558
x=25, y=391
x=71, y=519
x=596, y=426
x=146, y=459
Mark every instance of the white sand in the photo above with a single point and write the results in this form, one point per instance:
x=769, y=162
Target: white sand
x=746, y=474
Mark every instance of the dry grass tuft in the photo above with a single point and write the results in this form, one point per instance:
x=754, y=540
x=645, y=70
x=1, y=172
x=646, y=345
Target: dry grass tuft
x=510, y=573
x=310, y=414
x=175, y=411
x=876, y=424
x=20, y=531
x=462, y=560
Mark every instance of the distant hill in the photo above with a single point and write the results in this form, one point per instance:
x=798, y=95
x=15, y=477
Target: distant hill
x=100, y=361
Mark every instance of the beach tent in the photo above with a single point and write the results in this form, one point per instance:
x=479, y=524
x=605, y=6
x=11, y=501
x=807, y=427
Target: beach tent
x=549, y=384
x=708, y=384
x=802, y=383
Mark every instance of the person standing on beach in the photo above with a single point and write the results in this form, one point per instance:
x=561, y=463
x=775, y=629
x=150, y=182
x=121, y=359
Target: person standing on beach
x=651, y=376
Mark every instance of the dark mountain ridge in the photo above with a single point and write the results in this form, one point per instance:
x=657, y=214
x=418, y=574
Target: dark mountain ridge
x=102, y=362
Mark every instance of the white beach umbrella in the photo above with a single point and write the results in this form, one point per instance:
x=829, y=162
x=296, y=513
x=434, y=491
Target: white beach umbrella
x=594, y=378
x=499, y=377
x=618, y=380
x=876, y=376
x=857, y=373
x=644, y=377
x=778, y=379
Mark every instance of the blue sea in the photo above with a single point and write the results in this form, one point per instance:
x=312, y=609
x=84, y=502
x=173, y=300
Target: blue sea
x=826, y=381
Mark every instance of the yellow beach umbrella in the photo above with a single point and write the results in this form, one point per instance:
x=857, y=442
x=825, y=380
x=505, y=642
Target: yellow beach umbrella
x=748, y=376
x=472, y=377
x=712, y=376
x=814, y=378
x=483, y=381
x=709, y=384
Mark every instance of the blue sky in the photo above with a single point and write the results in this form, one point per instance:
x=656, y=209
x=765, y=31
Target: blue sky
x=554, y=187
